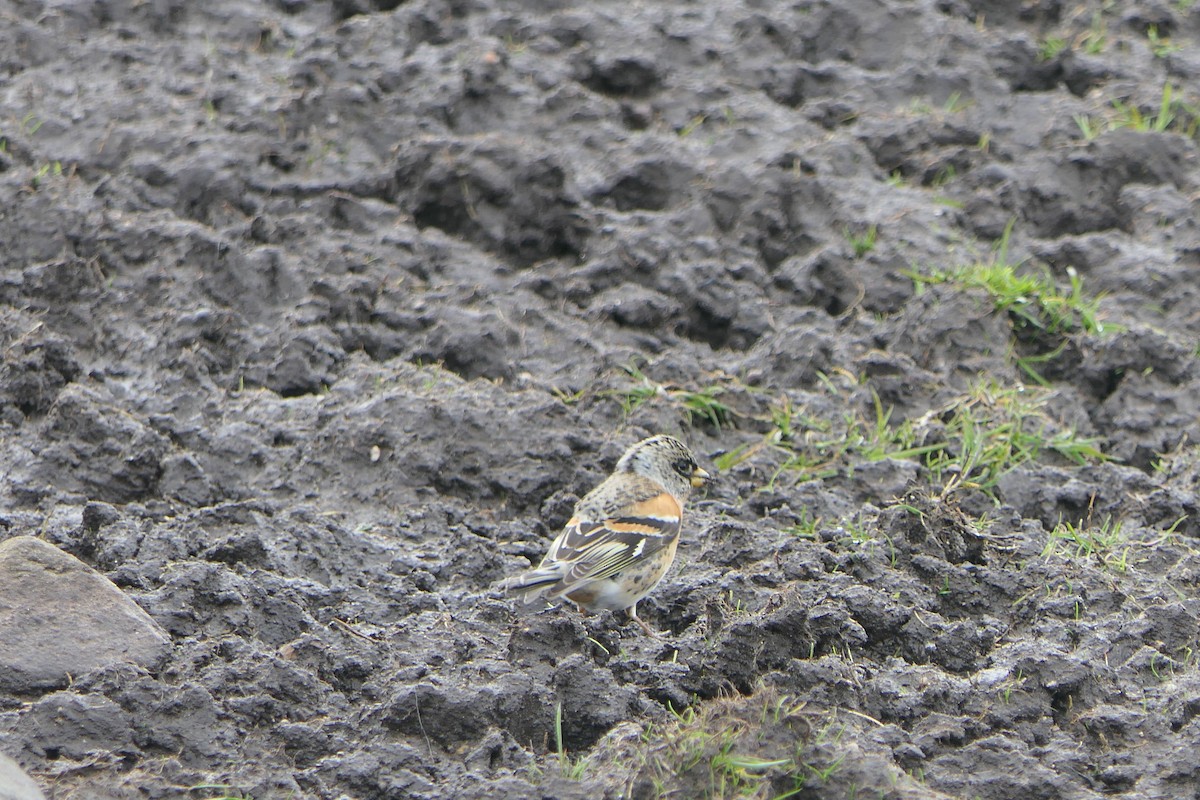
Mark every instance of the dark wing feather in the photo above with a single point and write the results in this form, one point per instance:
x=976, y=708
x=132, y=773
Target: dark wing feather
x=598, y=550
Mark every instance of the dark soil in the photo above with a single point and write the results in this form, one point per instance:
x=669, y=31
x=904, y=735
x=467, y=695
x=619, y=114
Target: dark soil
x=317, y=317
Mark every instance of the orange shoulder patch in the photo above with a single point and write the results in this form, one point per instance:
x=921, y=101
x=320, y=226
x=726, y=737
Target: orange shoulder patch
x=634, y=527
x=663, y=505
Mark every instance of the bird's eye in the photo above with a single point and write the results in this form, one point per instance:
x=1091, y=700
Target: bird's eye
x=685, y=467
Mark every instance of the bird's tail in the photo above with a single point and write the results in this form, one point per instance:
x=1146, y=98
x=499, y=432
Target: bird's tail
x=533, y=584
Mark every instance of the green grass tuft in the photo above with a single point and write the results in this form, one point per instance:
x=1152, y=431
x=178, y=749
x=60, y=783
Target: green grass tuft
x=1050, y=47
x=864, y=242
x=1031, y=298
x=969, y=443
x=1107, y=543
x=1169, y=113
x=697, y=405
x=572, y=769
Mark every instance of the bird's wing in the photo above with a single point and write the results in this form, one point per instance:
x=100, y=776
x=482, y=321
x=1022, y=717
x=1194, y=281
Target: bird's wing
x=599, y=549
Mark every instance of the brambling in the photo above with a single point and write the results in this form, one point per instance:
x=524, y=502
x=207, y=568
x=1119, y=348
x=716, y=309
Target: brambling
x=622, y=537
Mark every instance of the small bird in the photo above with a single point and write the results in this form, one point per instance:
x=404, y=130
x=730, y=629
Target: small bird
x=622, y=537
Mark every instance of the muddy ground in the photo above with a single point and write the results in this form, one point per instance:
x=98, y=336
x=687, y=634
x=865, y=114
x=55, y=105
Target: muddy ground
x=318, y=316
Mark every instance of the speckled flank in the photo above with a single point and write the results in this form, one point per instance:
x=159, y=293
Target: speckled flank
x=627, y=588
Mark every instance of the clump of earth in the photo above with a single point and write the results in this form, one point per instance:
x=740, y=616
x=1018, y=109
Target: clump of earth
x=318, y=317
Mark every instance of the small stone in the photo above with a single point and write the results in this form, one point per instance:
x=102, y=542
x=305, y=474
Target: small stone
x=98, y=515
x=15, y=784
x=60, y=618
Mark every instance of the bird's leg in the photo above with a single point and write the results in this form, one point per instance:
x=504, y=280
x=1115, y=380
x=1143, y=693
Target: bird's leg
x=645, y=625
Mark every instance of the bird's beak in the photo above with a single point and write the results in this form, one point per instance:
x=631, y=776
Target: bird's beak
x=700, y=478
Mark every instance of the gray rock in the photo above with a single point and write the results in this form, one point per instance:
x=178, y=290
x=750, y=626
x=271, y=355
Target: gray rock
x=15, y=784
x=59, y=617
